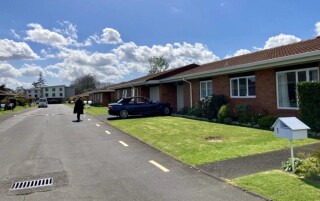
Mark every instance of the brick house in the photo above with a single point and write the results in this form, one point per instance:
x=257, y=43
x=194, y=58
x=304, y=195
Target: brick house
x=102, y=96
x=150, y=87
x=265, y=79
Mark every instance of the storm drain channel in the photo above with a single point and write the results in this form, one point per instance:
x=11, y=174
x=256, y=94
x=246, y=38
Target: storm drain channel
x=32, y=184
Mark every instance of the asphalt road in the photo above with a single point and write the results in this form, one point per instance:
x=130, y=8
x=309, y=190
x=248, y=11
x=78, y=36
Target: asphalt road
x=91, y=160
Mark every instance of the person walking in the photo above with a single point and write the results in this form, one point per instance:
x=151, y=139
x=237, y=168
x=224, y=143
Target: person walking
x=78, y=108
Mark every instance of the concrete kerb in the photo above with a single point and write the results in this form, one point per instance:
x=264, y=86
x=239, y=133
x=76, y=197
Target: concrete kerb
x=194, y=167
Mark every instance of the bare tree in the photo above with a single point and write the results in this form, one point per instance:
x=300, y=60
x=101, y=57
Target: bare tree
x=158, y=64
x=84, y=83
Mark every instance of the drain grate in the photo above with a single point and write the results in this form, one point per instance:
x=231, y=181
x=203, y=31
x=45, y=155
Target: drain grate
x=32, y=184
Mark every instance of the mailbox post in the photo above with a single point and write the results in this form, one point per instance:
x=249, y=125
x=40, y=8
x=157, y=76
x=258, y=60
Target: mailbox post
x=290, y=128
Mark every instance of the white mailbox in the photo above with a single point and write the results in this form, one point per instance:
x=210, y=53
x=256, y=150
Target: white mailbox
x=290, y=128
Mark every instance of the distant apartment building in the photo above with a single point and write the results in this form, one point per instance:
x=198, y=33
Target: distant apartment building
x=54, y=94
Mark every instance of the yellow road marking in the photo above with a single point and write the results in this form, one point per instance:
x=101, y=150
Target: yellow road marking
x=98, y=125
x=108, y=132
x=159, y=166
x=124, y=144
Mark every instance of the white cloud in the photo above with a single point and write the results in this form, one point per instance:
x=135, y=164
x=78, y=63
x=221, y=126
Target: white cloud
x=15, y=35
x=32, y=70
x=11, y=50
x=7, y=70
x=67, y=29
x=281, y=39
x=317, y=29
x=13, y=83
x=44, y=36
x=239, y=53
x=110, y=36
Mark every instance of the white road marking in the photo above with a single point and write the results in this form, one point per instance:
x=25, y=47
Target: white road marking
x=159, y=166
x=98, y=125
x=14, y=115
x=89, y=119
x=47, y=114
x=124, y=144
x=108, y=132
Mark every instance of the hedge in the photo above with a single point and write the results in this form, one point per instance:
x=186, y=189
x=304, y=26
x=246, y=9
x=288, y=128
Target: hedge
x=309, y=104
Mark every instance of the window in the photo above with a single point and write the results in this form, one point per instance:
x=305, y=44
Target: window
x=47, y=95
x=61, y=94
x=53, y=95
x=46, y=89
x=124, y=93
x=29, y=91
x=243, y=87
x=287, y=82
x=118, y=94
x=205, y=89
x=35, y=91
x=60, y=89
x=53, y=89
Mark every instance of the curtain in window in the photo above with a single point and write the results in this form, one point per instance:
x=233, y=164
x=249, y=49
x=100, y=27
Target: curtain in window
x=283, y=90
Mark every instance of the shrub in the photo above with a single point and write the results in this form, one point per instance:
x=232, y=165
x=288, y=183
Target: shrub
x=267, y=121
x=309, y=104
x=309, y=168
x=96, y=104
x=287, y=165
x=243, y=112
x=209, y=106
x=227, y=120
x=223, y=112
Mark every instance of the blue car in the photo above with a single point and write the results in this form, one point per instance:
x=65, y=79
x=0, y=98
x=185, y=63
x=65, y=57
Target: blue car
x=138, y=106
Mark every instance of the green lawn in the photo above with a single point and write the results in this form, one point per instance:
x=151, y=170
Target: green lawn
x=184, y=139
x=92, y=110
x=96, y=110
x=280, y=186
x=16, y=109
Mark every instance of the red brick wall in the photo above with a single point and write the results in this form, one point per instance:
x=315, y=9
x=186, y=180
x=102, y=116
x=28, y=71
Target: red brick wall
x=266, y=93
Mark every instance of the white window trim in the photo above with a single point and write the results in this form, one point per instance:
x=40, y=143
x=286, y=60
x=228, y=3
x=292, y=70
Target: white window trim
x=237, y=78
x=296, y=72
x=206, y=81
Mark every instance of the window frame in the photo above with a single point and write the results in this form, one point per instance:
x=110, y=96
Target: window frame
x=124, y=93
x=307, y=70
x=247, y=86
x=206, y=82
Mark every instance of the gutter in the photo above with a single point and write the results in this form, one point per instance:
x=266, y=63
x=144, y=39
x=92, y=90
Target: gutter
x=278, y=62
x=190, y=84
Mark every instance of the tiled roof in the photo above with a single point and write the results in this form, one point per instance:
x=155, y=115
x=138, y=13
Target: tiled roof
x=263, y=55
x=155, y=76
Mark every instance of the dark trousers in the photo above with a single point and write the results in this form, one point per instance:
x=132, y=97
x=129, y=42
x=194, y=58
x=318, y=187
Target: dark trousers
x=78, y=116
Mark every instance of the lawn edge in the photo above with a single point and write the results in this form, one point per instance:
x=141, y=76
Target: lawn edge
x=189, y=165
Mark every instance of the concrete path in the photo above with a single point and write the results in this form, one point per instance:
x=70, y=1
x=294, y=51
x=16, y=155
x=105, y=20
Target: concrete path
x=239, y=167
x=91, y=160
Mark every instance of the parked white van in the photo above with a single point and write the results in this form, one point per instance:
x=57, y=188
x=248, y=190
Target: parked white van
x=43, y=102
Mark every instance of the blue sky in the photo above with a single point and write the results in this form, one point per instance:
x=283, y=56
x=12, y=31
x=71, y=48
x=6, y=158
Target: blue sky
x=113, y=39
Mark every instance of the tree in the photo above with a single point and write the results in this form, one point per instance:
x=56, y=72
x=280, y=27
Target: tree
x=39, y=83
x=158, y=64
x=84, y=83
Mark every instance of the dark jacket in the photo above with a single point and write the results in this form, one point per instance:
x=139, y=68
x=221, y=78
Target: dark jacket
x=78, y=107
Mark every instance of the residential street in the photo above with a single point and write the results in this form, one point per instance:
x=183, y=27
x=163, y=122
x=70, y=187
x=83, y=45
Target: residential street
x=91, y=160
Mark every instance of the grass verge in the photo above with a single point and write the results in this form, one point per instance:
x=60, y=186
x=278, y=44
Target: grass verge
x=16, y=109
x=185, y=139
x=280, y=186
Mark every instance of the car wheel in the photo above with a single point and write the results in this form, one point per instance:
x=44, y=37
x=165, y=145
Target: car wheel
x=123, y=114
x=166, y=111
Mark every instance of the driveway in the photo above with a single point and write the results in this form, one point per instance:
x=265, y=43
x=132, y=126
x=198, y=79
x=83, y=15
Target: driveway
x=91, y=160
